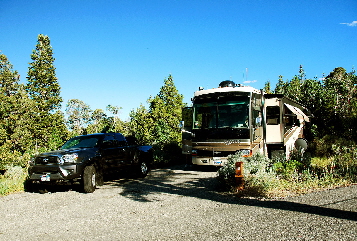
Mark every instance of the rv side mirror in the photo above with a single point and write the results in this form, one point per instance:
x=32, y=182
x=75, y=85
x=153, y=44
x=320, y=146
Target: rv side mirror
x=258, y=121
x=182, y=125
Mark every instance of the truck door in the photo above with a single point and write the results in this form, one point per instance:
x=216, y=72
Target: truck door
x=110, y=153
x=123, y=150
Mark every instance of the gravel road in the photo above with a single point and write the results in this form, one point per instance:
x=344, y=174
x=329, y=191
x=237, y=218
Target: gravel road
x=174, y=204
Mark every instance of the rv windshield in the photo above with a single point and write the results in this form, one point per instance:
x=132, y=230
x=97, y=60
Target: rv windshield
x=228, y=114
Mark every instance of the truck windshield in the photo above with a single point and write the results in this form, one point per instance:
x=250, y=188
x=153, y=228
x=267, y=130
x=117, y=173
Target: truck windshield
x=228, y=114
x=82, y=142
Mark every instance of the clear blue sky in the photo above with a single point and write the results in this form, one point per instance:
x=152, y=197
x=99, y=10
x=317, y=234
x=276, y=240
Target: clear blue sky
x=120, y=52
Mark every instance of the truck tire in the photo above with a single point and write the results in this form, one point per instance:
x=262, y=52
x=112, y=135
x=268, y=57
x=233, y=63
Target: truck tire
x=99, y=175
x=89, y=179
x=100, y=178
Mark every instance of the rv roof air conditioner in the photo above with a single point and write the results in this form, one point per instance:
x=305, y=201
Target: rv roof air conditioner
x=227, y=83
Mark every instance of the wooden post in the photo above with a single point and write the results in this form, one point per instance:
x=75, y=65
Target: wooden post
x=239, y=176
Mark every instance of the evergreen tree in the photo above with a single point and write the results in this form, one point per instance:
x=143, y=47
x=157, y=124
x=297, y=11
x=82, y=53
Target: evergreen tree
x=159, y=125
x=301, y=73
x=267, y=88
x=44, y=90
x=293, y=89
x=43, y=86
x=15, y=137
x=340, y=102
x=166, y=111
x=8, y=77
x=279, y=88
x=332, y=102
x=140, y=125
x=8, y=91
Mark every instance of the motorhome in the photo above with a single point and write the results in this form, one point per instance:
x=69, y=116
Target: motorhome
x=232, y=118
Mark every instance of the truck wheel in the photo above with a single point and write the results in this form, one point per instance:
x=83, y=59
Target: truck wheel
x=29, y=186
x=100, y=178
x=88, y=179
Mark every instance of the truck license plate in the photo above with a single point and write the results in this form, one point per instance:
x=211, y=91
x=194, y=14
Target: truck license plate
x=45, y=178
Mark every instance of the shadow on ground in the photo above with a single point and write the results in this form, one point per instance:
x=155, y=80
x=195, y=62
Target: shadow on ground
x=177, y=181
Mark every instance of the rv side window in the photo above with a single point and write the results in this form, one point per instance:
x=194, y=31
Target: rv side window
x=273, y=115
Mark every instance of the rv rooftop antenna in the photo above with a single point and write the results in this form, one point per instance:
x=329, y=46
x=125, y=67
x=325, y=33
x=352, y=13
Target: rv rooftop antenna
x=246, y=75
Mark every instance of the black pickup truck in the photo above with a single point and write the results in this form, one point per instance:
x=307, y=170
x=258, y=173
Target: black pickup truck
x=86, y=159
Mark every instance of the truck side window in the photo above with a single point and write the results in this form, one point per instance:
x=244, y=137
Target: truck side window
x=273, y=115
x=109, y=141
x=120, y=140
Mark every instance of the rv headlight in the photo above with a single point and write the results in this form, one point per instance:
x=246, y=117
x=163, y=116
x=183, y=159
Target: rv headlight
x=69, y=158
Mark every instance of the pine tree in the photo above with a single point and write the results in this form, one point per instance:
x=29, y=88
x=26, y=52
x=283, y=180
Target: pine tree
x=8, y=89
x=141, y=124
x=166, y=111
x=44, y=90
x=302, y=74
x=43, y=86
x=279, y=88
x=339, y=90
x=15, y=138
x=9, y=79
x=267, y=87
x=159, y=125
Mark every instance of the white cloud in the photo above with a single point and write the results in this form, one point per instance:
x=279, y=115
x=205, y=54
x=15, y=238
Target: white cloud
x=353, y=24
x=249, y=81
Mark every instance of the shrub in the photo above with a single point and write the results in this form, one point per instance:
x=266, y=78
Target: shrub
x=13, y=158
x=336, y=156
x=287, y=169
x=279, y=177
x=226, y=173
x=259, y=178
x=345, y=159
x=300, y=156
x=12, y=180
x=323, y=165
x=13, y=172
x=326, y=146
